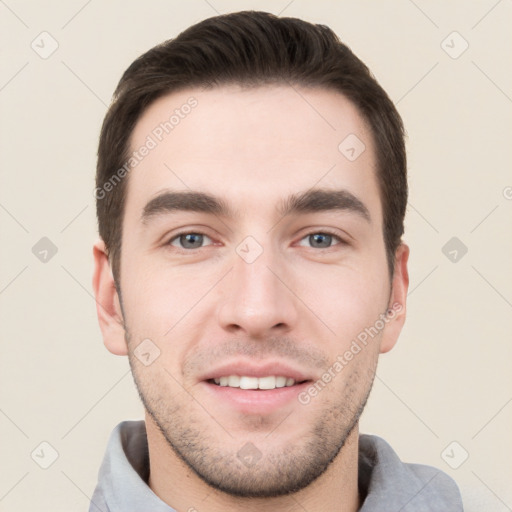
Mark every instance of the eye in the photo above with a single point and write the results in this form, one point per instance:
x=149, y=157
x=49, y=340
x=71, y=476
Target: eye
x=322, y=240
x=189, y=240
x=195, y=240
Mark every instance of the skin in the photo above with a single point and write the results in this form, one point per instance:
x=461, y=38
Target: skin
x=299, y=302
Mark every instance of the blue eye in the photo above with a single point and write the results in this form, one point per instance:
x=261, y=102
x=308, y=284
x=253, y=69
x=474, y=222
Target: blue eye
x=189, y=240
x=193, y=240
x=321, y=240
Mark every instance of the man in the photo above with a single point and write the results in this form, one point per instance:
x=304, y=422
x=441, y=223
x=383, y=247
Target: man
x=251, y=191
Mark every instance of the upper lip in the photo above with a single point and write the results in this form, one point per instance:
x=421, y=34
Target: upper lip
x=253, y=369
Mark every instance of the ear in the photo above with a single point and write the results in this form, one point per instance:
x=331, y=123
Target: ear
x=397, y=300
x=108, y=307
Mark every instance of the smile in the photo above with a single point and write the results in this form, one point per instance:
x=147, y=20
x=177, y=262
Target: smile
x=246, y=382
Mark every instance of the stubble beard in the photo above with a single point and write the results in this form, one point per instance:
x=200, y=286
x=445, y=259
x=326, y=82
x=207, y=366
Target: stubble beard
x=278, y=472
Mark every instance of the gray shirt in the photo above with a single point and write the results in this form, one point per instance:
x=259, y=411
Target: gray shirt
x=386, y=483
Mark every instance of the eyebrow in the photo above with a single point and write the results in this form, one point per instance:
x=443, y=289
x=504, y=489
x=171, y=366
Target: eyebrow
x=311, y=201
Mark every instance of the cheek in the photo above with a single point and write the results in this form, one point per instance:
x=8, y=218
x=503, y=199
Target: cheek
x=344, y=386
x=347, y=299
x=158, y=387
x=168, y=305
x=157, y=295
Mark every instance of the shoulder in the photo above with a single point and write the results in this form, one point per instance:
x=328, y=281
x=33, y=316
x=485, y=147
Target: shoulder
x=385, y=480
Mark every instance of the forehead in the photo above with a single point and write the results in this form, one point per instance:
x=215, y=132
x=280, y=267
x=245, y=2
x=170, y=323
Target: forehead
x=252, y=146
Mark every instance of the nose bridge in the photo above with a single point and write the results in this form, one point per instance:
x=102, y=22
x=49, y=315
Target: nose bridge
x=257, y=301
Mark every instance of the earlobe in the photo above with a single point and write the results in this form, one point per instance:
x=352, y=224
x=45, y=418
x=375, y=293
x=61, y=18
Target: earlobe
x=108, y=307
x=397, y=303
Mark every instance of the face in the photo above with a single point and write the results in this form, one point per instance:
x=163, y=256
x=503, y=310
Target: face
x=264, y=276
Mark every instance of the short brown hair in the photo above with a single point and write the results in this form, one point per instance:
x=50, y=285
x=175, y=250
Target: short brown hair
x=249, y=48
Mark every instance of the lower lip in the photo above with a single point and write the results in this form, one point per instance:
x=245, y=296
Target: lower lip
x=254, y=401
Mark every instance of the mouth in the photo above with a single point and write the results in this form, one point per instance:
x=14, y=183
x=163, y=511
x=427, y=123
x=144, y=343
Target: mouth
x=255, y=383
x=252, y=395
x=245, y=388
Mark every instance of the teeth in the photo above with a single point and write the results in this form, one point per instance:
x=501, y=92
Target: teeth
x=248, y=383
x=267, y=383
x=244, y=382
x=233, y=381
x=280, y=382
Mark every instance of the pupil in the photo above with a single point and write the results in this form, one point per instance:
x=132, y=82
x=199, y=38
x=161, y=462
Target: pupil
x=322, y=237
x=194, y=239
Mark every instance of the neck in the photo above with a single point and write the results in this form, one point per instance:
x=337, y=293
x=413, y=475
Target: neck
x=178, y=486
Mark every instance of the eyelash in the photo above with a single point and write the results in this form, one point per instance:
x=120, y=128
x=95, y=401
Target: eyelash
x=341, y=241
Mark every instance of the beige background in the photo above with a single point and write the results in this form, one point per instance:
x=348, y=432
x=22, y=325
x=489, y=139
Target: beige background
x=449, y=377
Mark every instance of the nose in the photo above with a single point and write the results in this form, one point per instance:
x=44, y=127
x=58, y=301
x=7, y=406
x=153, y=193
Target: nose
x=257, y=297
